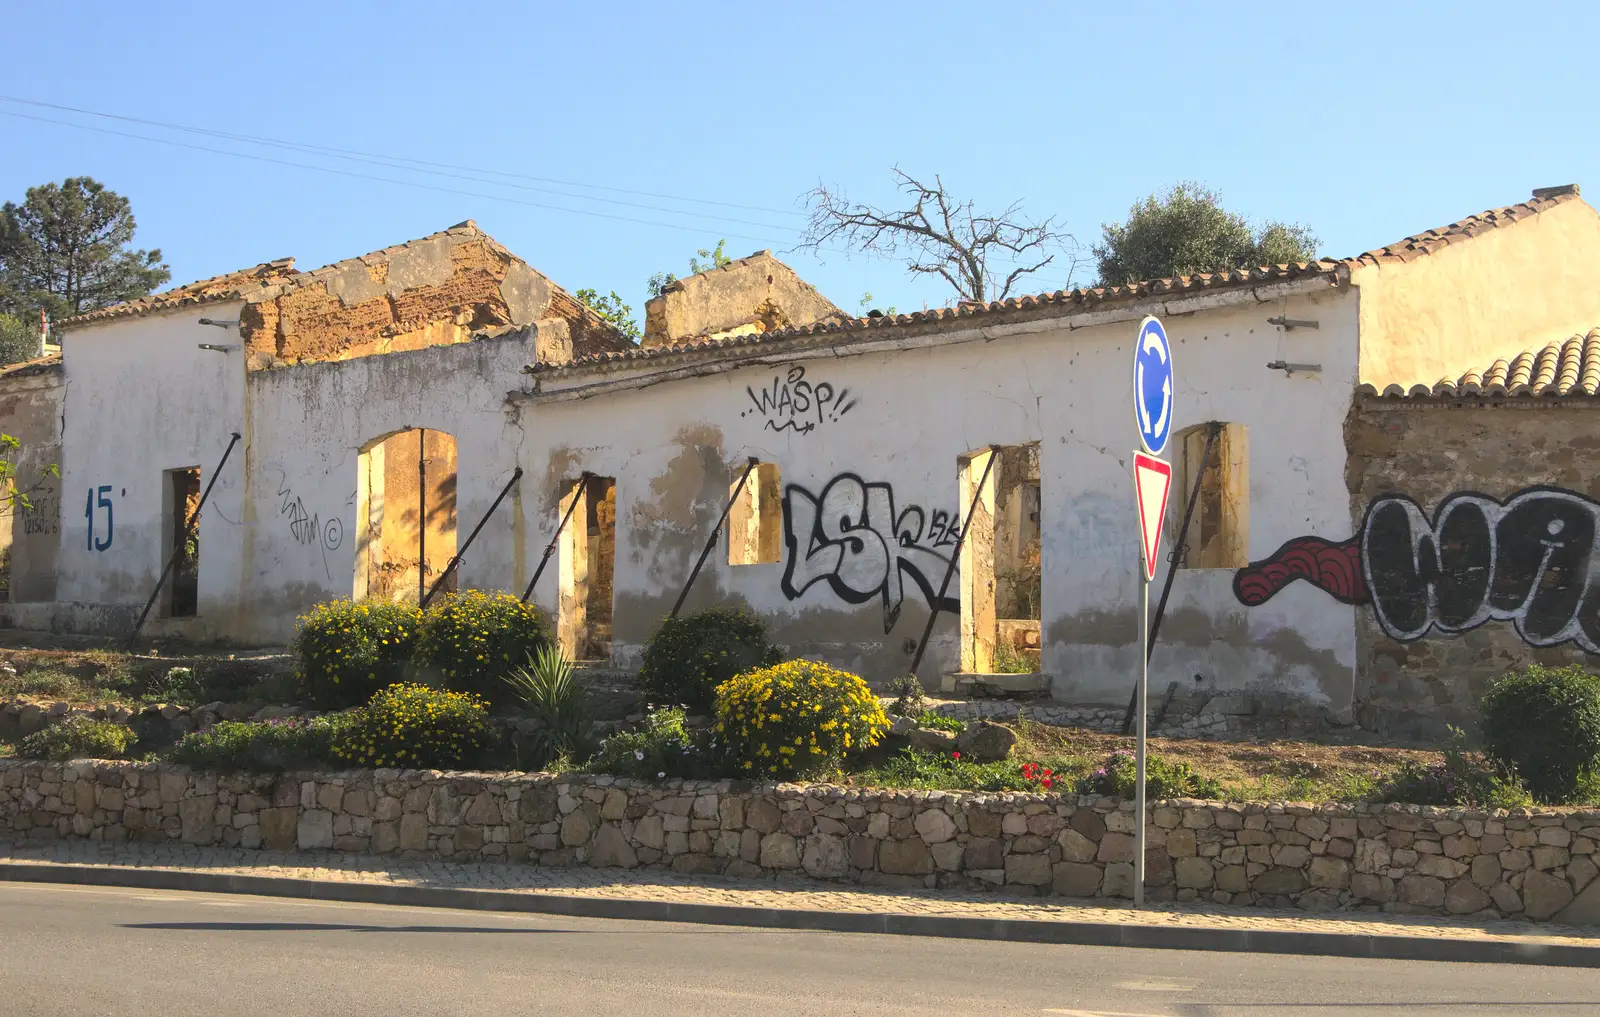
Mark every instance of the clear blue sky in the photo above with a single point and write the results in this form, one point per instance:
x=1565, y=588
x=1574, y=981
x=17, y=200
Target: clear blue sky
x=1364, y=121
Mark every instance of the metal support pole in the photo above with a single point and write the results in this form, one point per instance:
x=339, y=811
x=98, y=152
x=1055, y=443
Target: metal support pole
x=1139, y=752
x=550, y=548
x=1178, y=545
x=422, y=515
x=711, y=542
x=188, y=525
x=455, y=559
x=955, y=559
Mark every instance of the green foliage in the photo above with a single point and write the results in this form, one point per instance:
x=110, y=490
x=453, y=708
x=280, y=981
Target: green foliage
x=415, y=726
x=910, y=700
x=49, y=682
x=1118, y=776
x=689, y=656
x=928, y=771
x=78, y=737
x=1009, y=660
x=1544, y=725
x=67, y=248
x=866, y=305
x=938, y=721
x=795, y=718
x=661, y=747
x=1187, y=231
x=553, y=693
x=471, y=641
x=19, y=341
x=10, y=493
x=612, y=309
x=347, y=651
x=714, y=258
x=271, y=746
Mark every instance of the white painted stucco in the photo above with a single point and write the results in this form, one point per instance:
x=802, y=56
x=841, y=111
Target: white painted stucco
x=143, y=398
x=280, y=533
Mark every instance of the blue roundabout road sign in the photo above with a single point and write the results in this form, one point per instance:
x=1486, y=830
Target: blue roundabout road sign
x=1152, y=386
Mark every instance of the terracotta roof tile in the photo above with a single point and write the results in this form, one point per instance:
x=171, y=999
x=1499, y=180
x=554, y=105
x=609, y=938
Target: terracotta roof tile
x=1567, y=369
x=38, y=365
x=230, y=286
x=856, y=329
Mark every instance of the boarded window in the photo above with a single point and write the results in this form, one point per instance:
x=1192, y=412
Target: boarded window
x=1219, y=533
x=755, y=522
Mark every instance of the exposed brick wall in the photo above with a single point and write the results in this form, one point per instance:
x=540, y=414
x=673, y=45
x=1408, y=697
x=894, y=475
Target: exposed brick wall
x=1428, y=451
x=454, y=285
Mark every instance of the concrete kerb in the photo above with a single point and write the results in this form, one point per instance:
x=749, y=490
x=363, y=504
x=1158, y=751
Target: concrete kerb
x=1064, y=933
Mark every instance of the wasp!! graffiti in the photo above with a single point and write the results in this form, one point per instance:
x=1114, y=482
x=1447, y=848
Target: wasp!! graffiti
x=791, y=403
x=1530, y=560
x=851, y=537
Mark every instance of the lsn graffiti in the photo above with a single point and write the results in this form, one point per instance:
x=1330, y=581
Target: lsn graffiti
x=851, y=536
x=791, y=403
x=1530, y=560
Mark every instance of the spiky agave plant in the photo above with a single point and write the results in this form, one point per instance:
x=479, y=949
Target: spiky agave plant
x=556, y=695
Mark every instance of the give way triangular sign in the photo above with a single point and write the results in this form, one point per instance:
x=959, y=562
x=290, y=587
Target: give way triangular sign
x=1152, y=479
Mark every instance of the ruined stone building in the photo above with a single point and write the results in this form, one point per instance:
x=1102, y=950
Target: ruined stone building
x=1399, y=501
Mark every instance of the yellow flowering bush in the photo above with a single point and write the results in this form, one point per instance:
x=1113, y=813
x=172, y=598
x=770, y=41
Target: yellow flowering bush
x=471, y=641
x=415, y=726
x=796, y=718
x=347, y=651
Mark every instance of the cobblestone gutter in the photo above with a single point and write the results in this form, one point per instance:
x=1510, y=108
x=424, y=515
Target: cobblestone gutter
x=1402, y=859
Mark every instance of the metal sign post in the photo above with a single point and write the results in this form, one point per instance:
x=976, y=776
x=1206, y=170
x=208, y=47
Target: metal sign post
x=1152, y=480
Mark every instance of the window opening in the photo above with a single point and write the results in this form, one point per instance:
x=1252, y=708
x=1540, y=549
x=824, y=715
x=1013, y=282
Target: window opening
x=180, y=499
x=755, y=522
x=1219, y=533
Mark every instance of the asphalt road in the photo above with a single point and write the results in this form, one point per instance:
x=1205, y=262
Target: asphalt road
x=92, y=951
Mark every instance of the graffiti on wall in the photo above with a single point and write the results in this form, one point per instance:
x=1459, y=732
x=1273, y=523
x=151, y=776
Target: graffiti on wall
x=1530, y=560
x=851, y=536
x=791, y=403
x=96, y=505
x=307, y=527
x=42, y=515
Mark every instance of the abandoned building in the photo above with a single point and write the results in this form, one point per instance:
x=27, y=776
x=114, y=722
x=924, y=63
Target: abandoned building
x=1390, y=456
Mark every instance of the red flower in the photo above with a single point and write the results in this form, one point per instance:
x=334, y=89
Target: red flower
x=1048, y=782
x=955, y=755
x=1048, y=773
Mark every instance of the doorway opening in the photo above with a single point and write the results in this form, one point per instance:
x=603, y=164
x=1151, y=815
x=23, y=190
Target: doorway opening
x=588, y=558
x=405, y=515
x=1001, y=560
x=180, y=498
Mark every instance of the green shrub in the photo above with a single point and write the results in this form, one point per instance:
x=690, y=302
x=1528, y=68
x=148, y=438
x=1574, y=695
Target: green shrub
x=415, y=726
x=1461, y=778
x=1118, y=776
x=471, y=641
x=270, y=746
x=661, y=747
x=689, y=657
x=1009, y=660
x=348, y=651
x=78, y=737
x=1544, y=724
x=909, y=698
x=553, y=693
x=799, y=717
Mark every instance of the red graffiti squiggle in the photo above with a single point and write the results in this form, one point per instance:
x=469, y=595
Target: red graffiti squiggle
x=1333, y=567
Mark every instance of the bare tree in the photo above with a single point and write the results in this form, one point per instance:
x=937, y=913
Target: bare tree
x=940, y=235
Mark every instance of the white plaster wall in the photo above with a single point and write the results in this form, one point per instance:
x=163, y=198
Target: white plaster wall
x=675, y=447
x=307, y=427
x=142, y=398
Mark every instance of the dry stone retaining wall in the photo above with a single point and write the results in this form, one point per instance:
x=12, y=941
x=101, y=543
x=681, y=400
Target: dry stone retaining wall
x=1404, y=859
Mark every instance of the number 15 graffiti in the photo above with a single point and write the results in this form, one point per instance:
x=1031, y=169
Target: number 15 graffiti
x=98, y=498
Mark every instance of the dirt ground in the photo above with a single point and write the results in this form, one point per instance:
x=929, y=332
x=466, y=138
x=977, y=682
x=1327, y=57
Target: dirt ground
x=1232, y=760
